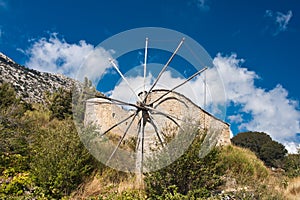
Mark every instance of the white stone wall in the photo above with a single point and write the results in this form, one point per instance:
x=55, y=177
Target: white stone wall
x=104, y=115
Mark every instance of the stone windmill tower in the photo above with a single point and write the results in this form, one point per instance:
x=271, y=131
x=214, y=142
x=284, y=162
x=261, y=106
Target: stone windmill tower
x=157, y=123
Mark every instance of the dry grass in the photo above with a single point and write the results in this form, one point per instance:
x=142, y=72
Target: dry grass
x=92, y=187
x=246, y=175
x=103, y=185
x=243, y=165
x=293, y=189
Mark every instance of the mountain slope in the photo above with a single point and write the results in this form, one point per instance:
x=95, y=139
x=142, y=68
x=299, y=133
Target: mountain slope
x=30, y=84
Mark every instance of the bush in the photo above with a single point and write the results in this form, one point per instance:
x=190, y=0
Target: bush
x=243, y=165
x=187, y=174
x=15, y=177
x=292, y=165
x=269, y=151
x=60, y=104
x=60, y=161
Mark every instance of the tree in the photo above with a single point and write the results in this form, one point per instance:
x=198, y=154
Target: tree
x=272, y=153
x=60, y=104
x=269, y=151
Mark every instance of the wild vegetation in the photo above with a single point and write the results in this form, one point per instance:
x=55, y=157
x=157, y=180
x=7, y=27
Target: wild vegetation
x=268, y=150
x=42, y=157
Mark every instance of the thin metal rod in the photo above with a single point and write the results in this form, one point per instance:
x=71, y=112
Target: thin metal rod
x=116, y=100
x=170, y=117
x=120, y=141
x=140, y=147
x=165, y=67
x=152, y=122
x=145, y=63
x=143, y=136
x=170, y=98
x=123, y=77
x=138, y=134
x=204, y=100
x=184, y=82
x=117, y=124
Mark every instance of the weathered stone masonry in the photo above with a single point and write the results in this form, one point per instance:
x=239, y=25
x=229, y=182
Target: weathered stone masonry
x=104, y=115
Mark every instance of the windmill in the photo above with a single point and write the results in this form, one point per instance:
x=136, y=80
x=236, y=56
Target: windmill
x=151, y=121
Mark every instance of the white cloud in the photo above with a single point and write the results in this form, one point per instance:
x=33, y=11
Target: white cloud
x=271, y=110
x=292, y=147
x=57, y=56
x=280, y=20
x=283, y=20
x=235, y=118
x=167, y=81
x=123, y=92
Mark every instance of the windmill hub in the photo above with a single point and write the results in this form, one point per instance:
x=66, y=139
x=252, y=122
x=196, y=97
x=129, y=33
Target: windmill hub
x=142, y=102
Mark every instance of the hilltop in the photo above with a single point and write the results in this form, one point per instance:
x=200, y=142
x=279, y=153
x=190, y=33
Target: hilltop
x=31, y=84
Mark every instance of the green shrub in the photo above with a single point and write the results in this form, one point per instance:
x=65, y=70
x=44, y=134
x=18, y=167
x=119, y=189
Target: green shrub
x=60, y=161
x=242, y=164
x=17, y=185
x=126, y=195
x=60, y=104
x=269, y=151
x=292, y=165
x=14, y=152
x=188, y=173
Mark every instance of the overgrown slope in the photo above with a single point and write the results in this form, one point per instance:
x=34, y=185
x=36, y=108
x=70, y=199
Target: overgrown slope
x=42, y=157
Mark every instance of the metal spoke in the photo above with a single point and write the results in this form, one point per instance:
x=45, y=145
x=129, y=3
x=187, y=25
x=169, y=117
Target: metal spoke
x=140, y=147
x=120, y=141
x=152, y=122
x=118, y=101
x=170, y=98
x=140, y=122
x=117, y=124
x=170, y=117
x=123, y=77
x=184, y=82
x=145, y=63
x=165, y=67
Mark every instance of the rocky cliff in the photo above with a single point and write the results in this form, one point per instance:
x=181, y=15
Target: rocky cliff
x=30, y=84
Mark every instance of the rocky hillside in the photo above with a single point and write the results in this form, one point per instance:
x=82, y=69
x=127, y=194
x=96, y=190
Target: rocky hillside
x=31, y=84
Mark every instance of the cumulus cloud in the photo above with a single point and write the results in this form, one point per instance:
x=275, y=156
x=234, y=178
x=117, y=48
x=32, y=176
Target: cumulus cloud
x=167, y=81
x=57, y=56
x=235, y=118
x=279, y=19
x=291, y=147
x=123, y=92
x=267, y=110
x=270, y=111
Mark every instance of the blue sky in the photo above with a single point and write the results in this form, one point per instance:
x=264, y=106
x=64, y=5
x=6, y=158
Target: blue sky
x=258, y=41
